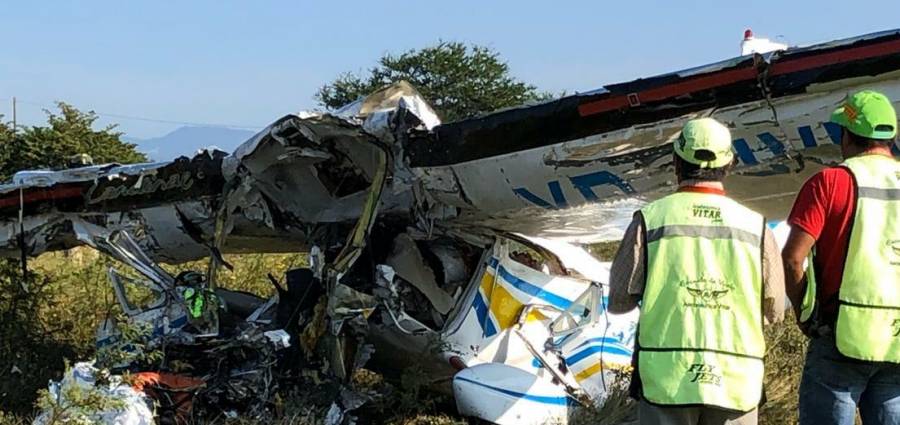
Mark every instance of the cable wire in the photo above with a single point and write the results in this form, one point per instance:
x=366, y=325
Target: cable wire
x=145, y=119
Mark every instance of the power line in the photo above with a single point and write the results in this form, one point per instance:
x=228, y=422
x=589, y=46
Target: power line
x=147, y=119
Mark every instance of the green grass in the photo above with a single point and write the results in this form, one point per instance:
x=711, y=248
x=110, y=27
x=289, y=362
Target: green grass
x=605, y=251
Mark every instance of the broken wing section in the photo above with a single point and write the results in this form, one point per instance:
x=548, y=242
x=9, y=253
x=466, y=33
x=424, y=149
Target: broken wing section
x=165, y=204
x=536, y=170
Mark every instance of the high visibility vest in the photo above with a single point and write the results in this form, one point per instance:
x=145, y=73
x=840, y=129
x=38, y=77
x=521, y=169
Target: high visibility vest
x=808, y=305
x=700, y=336
x=868, y=323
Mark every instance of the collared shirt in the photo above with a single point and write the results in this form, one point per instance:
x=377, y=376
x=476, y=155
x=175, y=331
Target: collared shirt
x=627, y=276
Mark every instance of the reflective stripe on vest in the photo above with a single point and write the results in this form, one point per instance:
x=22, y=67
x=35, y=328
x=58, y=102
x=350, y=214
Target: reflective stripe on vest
x=700, y=340
x=868, y=323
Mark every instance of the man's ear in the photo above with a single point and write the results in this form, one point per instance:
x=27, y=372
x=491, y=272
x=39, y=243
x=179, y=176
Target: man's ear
x=677, y=163
x=846, y=145
x=732, y=164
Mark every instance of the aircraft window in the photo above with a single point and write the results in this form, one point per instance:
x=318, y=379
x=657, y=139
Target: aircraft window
x=134, y=293
x=529, y=257
x=577, y=315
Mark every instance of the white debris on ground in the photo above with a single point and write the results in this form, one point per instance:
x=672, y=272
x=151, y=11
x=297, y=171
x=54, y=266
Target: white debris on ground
x=125, y=405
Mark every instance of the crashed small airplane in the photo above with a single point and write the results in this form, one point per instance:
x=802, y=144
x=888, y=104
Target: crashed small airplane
x=458, y=243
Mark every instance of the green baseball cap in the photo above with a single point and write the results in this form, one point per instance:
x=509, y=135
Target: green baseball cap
x=867, y=114
x=705, y=142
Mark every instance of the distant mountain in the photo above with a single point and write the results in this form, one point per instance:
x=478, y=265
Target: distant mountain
x=187, y=140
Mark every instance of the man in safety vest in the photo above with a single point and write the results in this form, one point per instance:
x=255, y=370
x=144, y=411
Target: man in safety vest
x=707, y=274
x=849, y=299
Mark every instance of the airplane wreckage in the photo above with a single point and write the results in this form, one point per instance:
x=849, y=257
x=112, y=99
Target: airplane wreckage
x=455, y=244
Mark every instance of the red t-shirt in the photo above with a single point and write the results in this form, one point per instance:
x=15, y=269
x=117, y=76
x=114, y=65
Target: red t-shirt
x=824, y=208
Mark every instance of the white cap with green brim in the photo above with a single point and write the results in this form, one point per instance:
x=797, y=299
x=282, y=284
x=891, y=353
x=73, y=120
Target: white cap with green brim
x=705, y=142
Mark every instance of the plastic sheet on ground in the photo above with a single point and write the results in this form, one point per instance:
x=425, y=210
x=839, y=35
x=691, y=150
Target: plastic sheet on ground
x=131, y=406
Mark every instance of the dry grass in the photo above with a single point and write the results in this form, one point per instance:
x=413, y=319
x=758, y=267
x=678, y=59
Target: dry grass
x=784, y=365
x=619, y=409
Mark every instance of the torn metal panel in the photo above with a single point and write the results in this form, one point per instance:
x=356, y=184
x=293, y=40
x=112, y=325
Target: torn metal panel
x=46, y=178
x=329, y=160
x=386, y=287
x=588, y=223
x=357, y=238
x=454, y=267
x=391, y=98
x=346, y=303
x=121, y=245
x=408, y=263
x=391, y=108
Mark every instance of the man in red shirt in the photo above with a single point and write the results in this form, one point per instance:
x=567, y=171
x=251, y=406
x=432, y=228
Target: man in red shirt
x=841, y=371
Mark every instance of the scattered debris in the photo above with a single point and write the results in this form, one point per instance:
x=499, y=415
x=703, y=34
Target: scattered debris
x=216, y=350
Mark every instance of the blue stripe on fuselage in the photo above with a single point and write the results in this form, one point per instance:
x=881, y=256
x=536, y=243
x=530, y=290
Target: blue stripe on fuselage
x=481, y=313
x=597, y=349
x=559, y=401
x=530, y=288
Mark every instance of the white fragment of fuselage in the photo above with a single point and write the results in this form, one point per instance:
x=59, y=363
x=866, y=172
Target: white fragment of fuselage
x=131, y=406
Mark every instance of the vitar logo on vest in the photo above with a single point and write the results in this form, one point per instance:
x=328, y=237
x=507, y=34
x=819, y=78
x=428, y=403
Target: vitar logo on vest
x=702, y=373
x=706, y=292
x=713, y=214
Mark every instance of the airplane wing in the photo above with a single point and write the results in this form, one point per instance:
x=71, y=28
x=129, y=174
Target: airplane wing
x=574, y=168
x=572, y=164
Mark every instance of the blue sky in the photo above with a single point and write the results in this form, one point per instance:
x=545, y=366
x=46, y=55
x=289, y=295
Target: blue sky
x=246, y=63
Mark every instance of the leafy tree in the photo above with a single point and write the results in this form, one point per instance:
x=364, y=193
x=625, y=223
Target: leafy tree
x=67, y=133
x=458, y=80
x=6, y=131
x=32, y=349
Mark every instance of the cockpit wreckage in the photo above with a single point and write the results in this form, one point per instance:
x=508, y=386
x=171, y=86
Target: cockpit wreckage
x=455, y=243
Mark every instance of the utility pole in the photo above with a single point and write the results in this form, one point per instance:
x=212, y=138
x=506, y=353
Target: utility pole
x=22, y=245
